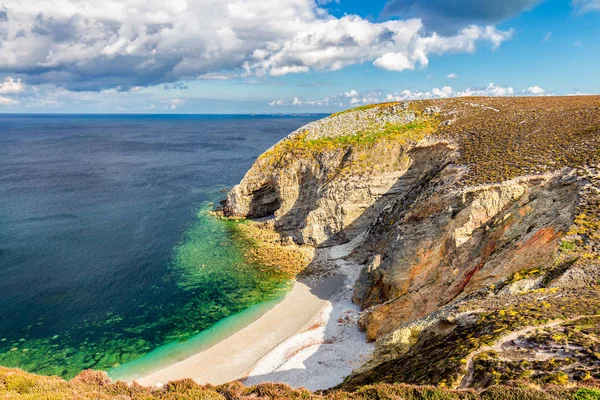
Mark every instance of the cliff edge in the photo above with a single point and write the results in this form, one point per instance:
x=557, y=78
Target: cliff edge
x=472, y=224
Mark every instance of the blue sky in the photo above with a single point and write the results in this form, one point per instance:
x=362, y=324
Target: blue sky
x=277, y=56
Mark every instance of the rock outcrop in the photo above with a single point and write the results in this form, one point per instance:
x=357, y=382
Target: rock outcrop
x=457, y=209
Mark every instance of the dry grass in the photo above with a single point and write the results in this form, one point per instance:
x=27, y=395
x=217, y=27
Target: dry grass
x=502, y=138
x=18, y=385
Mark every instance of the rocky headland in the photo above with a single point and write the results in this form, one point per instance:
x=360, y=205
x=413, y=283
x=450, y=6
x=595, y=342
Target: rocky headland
x=458, y=223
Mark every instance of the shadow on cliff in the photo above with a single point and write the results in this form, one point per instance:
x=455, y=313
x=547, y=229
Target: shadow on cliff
x=426, y=162
x=292, y=221
x=317, y=369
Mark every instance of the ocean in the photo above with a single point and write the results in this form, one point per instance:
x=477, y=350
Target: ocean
x=108, y=259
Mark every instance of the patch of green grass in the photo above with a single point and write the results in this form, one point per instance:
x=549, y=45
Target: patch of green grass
x=587, y=394
x=363, y=108
x=301, y=146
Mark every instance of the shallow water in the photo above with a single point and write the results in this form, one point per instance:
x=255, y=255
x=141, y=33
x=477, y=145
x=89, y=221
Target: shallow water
x=106, y=252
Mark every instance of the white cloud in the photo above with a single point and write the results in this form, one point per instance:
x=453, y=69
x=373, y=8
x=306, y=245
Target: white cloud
x=82, y=46
x=394, y=62
x=535, y=90
x=5, y=101
x=213, y=76
x=444, y=92
x=11, y=86
x=353, y=98
x=420, y=95
x=547, y=37
x=172, y=104
x=492, y=90
x=585, y=6
x=452, y=76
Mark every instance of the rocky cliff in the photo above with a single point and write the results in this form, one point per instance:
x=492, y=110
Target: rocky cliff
x=473, y=222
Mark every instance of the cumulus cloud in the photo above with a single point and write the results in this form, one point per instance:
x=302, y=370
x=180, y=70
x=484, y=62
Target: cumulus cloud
x=5, y=101
x=446, y=91
x=535, y=90
x=394, y=62
x=452, y=76
x=353, y=98
x=491, y=90
x=449, y=15
x=11, y=86
x=585, y=6
x=80, y=45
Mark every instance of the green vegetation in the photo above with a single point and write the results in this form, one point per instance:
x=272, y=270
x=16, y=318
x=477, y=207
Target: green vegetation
x=439, y=359
x=526, y=274
x=363, y=108
x=413, y=132
x=90, y=385
x=301, y=146
x=587, y=394
x=571, y=353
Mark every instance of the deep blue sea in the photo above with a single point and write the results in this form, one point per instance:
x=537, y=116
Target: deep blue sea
x=106, y=251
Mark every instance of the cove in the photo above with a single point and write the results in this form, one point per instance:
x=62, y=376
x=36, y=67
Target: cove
x=107, y=253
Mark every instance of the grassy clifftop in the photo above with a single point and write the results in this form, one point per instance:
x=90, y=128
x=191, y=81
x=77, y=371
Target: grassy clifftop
x=499, y=138
x=502, y=138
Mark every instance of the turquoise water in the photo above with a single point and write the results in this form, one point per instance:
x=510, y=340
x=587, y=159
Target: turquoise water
x=108, y=259
x=212, y=256
x=174, y=352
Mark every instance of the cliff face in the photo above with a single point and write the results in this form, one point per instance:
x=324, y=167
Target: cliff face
x=451, y=243
x=454, y=207
x=322, y=181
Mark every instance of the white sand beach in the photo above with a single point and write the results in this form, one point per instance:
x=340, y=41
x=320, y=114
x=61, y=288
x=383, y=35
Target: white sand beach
x=310, y=339
x=324, y=355
x=235, y=356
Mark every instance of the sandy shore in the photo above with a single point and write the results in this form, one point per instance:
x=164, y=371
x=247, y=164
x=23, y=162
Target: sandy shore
x=234, y=357
x=324, y=355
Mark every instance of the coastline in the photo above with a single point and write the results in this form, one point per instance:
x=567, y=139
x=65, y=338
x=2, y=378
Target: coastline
x=332, y=347
x=234, y=357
